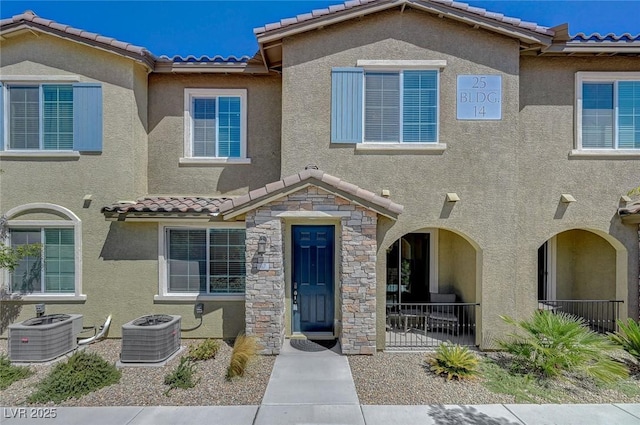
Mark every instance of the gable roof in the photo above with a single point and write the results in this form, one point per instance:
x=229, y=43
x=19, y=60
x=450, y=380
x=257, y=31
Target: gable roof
x=534, y=39
x=447, y=7
x=270, y=36
x=29, y=20
x=237, y=206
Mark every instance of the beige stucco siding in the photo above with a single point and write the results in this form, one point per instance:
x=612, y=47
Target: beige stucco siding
x=546, y=170
x=166, y=136
x=478, y=164
x=585, y=267
x=118, y=172
x=456, y=266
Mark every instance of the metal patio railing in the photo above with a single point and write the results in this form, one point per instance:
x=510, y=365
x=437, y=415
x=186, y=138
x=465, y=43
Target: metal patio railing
x=415, y=326
x=600, y=315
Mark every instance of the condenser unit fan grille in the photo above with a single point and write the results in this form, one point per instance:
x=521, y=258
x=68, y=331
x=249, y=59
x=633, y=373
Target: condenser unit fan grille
x=150, y=339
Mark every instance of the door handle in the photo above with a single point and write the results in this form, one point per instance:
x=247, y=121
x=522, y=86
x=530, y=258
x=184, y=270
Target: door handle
x=295, y=292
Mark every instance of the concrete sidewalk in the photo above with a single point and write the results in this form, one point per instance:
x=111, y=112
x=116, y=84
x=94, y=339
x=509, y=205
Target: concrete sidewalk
x=317, y=388
x=491, y=414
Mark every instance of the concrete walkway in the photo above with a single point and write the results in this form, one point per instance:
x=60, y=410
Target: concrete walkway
x=317, y=388
x=310, y=388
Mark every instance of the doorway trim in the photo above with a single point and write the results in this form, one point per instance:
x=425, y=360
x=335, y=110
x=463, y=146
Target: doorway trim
x=306, y=219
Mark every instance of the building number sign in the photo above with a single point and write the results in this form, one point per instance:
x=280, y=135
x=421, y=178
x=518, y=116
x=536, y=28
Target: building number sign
x=479, y=97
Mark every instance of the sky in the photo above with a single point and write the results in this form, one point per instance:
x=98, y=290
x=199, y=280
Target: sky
x=226, y=27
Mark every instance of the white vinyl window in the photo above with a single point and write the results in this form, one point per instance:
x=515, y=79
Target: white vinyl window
x=608, y=111
x=53, y=271
x=215, y=124
x=401, y=106
x=40, y=117
x=56, y=271
x=205, y=261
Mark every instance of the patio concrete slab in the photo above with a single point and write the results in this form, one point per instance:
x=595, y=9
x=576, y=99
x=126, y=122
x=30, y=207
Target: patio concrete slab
x=189, y=415
x=489, y=414
x=633, y=409
x=310, y=414
x=567, y=414
x=69, y=415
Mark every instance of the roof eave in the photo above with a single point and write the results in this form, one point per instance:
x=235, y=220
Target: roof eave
x=253, y=204
x=158, y=216
x=148, y=60
x=524, y=35
x=209, y=68
x=595, y=48
x=527, y=36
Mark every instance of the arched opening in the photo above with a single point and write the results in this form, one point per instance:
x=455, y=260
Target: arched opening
x=53, y=267
x=432, y=281
x=580, y=272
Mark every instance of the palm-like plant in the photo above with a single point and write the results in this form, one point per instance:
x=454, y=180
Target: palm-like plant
x=628, y=337
x=453, y=361
x=552, y=344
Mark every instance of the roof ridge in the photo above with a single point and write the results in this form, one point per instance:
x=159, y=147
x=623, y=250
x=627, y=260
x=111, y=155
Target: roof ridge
x=308, y=174
x=31, y=17
x=350, y=4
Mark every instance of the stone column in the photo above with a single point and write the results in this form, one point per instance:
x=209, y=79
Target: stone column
x=265, y=292
x=358, y=281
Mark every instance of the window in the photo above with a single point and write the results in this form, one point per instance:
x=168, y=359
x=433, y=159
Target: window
x=608, y=110
x=51, y=272
x=205, y=261
x=381, y=104
x=56, y=271
x=215, y=123
x=50, y=117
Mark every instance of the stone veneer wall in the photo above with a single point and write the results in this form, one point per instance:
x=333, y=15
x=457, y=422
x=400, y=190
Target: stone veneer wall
x=265, y=289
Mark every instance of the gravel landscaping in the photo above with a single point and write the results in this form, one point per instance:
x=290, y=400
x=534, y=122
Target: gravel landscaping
x=143, y=386
x=403, y=379
x=386, y=378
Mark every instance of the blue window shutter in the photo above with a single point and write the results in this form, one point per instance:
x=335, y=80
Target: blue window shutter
x=1, y=117
x=87, y=117
x=346, y=105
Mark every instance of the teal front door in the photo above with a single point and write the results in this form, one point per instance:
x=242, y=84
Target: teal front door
x=312, y=280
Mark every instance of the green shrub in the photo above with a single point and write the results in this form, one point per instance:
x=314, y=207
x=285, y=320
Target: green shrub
x=182, y=376
x=453, y=361
x=629, y=337
x=245, y=348
x=10, y=373
x=80, y=375
x=207, y=349
x=553, y=344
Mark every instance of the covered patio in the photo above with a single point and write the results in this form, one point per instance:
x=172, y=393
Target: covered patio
x=431, y=290
x=580, y=272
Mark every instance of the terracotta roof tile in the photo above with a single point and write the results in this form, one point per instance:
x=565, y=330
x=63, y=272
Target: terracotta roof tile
x=311, y=174
x=28, y=17
x=351, y=4
x=597, y=38
x=167, y=204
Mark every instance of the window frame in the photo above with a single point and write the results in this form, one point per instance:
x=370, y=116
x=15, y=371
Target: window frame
x=400, y=72
x=69, y=220
x=31, y=81
x=164, y=294
x=601, y=77
x=193, y=93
